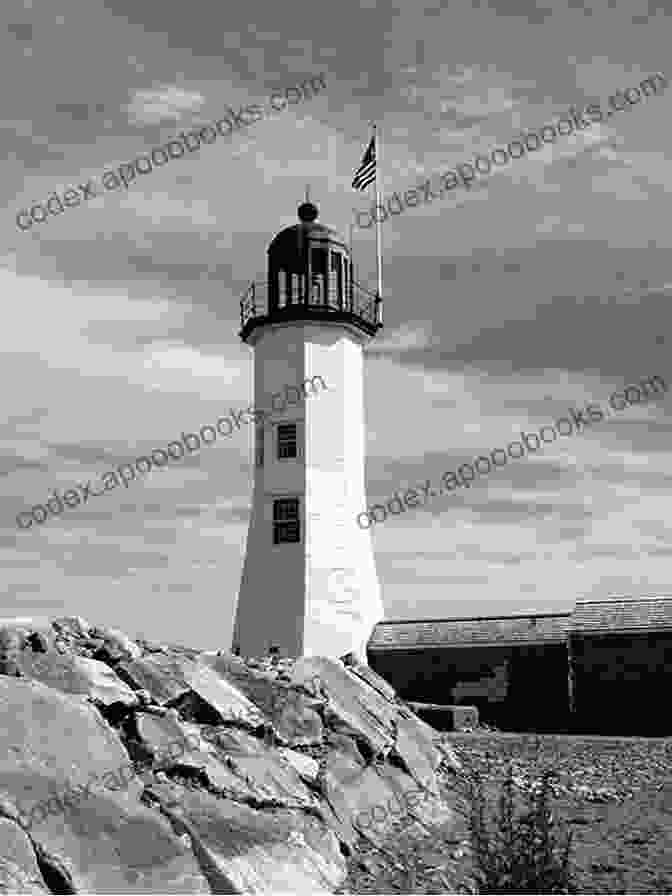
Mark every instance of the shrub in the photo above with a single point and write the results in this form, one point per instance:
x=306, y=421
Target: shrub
x=513, y=843
x=518, y=851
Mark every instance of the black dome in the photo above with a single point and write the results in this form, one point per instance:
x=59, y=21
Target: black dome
x=307, y=230
x=308, y=212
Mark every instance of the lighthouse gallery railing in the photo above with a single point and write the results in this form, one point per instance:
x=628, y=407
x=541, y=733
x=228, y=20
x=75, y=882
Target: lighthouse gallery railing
x=357, y=300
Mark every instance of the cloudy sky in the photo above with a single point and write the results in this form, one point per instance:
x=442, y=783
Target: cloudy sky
x=547, y=286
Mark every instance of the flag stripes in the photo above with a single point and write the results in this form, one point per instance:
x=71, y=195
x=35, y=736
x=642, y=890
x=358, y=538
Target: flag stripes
x=366, y=173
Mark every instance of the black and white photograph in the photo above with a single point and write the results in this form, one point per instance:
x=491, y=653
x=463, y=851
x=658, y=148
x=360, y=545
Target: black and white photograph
x=360, y=315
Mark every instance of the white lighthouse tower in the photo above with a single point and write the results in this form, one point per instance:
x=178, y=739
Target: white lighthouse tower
x=309, y=584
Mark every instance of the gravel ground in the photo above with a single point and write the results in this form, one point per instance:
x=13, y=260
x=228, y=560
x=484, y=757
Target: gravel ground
x=616, y=793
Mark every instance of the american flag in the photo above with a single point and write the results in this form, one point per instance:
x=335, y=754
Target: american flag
x=366, y=173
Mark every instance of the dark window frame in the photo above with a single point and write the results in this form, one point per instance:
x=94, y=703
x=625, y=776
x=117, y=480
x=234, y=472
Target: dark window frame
x=286, y=521
x=259, y=446
x=285, y=443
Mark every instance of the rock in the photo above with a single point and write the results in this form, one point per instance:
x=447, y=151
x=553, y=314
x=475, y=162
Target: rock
x=19, y=871
x=77, y=675
x=158, y=734
x=72, y=626
x=249, y=851
x=353, y=790
x=254, y=777
x=353, y=707
x=11, y=641
x=11, y=644
x=374, y=680
x=159, y=675
x=306, y=767
x=28, y=624
x=116, y=645
x=117, y=845
x=144, y=697
x=296, y=722
x=104, y=686
x=291, y=712
x=47, y=739
x=263, y=768
x=227, y=701
x=150, y=646
x=204, y=757
x=107, y=841
x=37, y=642
x=416, y=750
x=418, y=800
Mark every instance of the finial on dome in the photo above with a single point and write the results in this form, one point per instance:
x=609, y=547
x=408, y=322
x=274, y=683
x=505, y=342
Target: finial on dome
x=307, y=212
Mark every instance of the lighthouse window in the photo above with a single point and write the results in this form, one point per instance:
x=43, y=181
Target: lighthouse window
x=283, y=282
x=347, y=280
x=286, y=524
x=260, y=446
x=287, y=441
x=336, y=281
x=319, y=276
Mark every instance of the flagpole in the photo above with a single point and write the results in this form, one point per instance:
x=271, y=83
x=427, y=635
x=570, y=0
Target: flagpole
x=352, y=260
x=379, y=244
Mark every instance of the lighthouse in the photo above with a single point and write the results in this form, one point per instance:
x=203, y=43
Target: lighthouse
x=309, y=585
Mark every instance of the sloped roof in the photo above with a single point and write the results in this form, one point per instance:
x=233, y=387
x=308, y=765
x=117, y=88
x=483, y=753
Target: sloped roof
x=623, y=614
x=543, y=628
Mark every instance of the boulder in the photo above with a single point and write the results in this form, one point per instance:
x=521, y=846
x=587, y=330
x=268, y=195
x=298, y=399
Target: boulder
x=76, y=675
x=251, y=851
x=38, y=642
x=104, y=686
x=179, y=772
x=178, y=680
x=61, y=782
x=50, y=741
x=115, y=646
x=289, y=709
x=304, y=765
x=11, y=645
x=71, y=627
x=161, y=676
x=374, y=681
x=261, y=767
x=19, y=871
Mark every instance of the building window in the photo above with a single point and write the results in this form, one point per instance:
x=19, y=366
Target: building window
x=260, y=446
x=286, y=524
x=287, y=441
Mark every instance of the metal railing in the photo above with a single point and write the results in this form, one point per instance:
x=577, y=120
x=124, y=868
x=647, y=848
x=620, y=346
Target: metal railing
x=357, y=300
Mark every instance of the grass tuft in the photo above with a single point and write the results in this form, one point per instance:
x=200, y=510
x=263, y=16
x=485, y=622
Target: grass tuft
x=518, y=845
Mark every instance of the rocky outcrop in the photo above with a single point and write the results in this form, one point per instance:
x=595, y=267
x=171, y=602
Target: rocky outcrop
x=131, y=767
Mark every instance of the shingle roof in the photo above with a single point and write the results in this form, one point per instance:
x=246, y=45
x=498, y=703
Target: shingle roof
x=623, y=614
x=484, y=630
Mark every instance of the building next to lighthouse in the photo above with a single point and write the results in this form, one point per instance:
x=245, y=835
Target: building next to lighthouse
x=309, y=584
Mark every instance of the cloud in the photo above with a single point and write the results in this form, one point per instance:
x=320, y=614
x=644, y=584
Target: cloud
x=407, y=336
x=165, y=102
